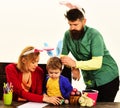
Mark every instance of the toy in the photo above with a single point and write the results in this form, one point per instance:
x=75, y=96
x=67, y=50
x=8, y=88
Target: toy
x=74, y=96
x=84, y=100
x=64, y=101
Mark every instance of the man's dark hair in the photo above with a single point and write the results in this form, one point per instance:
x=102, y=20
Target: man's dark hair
x=74, y=14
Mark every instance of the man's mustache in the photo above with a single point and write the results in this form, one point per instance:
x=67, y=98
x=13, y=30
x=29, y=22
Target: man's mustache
x=74, y=31
x=75, y=34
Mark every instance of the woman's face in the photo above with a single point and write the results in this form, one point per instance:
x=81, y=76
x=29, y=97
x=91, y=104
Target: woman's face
x=31, y=65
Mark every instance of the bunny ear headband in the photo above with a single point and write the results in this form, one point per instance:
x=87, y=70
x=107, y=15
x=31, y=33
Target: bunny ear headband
x=37, y=50
x=72, y=6
x=57, y=51
x=47, y=49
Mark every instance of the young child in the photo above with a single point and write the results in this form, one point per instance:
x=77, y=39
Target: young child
x=56, y=84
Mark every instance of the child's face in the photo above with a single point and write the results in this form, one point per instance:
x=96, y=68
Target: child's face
x=54, y=73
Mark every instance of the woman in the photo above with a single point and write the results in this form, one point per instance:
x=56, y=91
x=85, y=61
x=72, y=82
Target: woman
x=27, y=78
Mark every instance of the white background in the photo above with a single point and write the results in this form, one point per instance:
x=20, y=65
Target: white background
x=33, y=22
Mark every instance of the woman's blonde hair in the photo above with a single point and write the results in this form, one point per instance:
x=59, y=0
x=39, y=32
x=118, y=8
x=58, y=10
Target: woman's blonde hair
x=29, y=57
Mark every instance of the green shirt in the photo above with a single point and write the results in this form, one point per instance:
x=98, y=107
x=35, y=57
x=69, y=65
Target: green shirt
x=91, y=45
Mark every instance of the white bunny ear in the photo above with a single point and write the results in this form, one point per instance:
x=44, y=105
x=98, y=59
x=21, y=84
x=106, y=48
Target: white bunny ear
x=49, y=52
x=68, y=4
x=59, y=48
x=72, y=6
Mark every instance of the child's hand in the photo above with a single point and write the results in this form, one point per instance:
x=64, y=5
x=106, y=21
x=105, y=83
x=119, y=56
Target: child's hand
x=53, y=99
x=60, y=97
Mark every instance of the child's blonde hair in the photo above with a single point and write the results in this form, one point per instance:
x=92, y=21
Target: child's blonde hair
x=54, y=63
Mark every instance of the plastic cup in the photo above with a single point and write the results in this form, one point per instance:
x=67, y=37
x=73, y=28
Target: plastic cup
x=93, y=94
x=7, y=98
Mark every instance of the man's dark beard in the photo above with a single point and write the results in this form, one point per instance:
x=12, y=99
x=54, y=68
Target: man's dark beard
x=76, y=35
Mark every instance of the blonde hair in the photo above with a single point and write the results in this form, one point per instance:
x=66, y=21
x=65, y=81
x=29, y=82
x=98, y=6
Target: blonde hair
x=29, y=57
x=54, y=63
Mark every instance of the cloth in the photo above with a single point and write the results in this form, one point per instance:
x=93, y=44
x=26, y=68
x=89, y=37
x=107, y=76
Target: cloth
x=26, y=83
x=107, y=92
x=53, y=88
x=91, y=45
x=15, y=76
x=92, y=64
x=65, y=86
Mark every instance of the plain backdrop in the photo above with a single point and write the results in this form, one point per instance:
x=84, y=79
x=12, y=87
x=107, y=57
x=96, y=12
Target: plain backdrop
x=33, y=22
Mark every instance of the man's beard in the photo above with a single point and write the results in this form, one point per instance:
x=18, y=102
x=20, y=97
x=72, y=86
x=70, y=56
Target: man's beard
x=77, y=34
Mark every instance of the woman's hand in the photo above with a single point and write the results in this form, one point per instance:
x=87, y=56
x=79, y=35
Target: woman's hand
x=53, y=99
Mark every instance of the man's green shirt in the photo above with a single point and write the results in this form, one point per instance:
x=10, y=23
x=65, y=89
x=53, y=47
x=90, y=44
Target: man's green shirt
x=91, y=45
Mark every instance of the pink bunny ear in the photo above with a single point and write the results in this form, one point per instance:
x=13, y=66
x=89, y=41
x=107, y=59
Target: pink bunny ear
x=68, y=4
x=37, y=50
x=32, y=51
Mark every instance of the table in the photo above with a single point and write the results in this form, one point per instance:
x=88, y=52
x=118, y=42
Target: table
x=14, y=104
x=98, y=105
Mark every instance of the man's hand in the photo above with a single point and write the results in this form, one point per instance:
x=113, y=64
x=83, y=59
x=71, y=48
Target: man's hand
x=75, y=74
x=71, y=63
x=68, y=61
